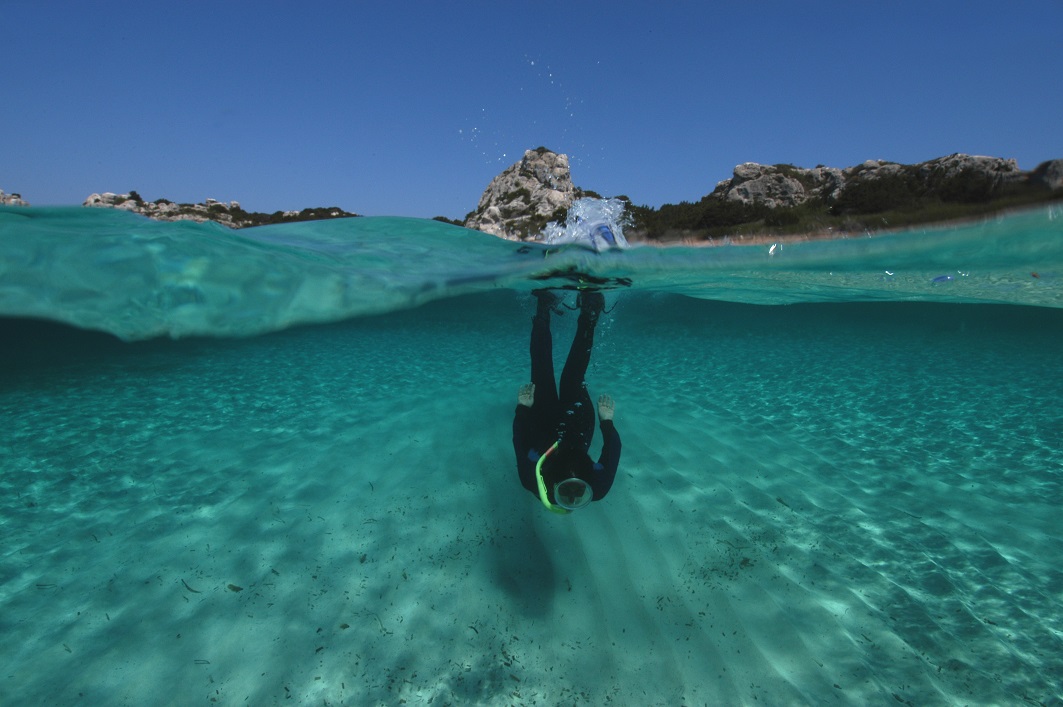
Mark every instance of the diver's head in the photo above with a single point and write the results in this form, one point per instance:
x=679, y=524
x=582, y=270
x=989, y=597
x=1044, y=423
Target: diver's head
x=573, y=494
x=564, y=470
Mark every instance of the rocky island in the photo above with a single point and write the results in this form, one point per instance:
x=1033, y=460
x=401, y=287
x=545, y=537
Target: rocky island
x=520, y=201
x=11, y=199
x=229, y=214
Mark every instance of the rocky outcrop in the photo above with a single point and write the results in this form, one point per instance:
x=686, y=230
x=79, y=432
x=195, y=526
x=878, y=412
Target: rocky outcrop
x=520, y=201
x=165, y=210
x=784, y=199
x=230, y=214
x=779, y=185
x=967, y=177
x=11, y=199
x=1048, y=175
x=998, y=170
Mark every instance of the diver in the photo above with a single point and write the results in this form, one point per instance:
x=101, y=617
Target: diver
x=553, y=427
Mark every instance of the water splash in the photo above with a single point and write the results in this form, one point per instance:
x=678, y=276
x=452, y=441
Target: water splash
x=597, y=224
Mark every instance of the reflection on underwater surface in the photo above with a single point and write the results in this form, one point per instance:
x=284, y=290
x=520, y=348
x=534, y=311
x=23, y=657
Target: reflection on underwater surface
x=843, y=503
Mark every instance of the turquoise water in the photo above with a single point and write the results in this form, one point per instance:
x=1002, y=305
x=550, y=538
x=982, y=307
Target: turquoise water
x=851, y=497
x=135, y=278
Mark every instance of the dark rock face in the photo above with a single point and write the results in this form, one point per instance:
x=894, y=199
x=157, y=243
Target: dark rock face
x=1048, y=174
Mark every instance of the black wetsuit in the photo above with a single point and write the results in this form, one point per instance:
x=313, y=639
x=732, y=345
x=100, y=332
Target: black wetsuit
x=566, y=414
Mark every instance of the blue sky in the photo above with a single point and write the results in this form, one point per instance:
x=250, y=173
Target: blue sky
x=410, y=108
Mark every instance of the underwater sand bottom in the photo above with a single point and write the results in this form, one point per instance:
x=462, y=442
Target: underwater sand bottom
x=332, y=515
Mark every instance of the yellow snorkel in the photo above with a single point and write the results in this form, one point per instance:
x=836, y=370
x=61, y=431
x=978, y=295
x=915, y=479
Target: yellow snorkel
x=542, y=484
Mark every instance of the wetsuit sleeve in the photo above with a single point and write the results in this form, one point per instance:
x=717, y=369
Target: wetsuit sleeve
x=522, y=447
x=608, y=461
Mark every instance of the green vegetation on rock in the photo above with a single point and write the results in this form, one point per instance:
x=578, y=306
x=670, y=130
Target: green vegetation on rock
x=899, y=198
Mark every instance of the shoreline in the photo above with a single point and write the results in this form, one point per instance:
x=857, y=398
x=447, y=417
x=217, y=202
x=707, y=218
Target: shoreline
x=831, y=235
x=752, y=239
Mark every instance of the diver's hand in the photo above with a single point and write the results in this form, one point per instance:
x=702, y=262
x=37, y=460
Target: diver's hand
x=526, y=395
x=606, y=407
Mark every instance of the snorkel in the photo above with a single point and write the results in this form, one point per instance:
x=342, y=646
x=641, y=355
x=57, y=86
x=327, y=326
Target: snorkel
x=581, y=498
x=543, y=496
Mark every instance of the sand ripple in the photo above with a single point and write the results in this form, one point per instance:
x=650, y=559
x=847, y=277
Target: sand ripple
x=810, y=511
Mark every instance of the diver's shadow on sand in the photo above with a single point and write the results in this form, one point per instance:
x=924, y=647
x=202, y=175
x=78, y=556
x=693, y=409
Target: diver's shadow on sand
x=521, y=566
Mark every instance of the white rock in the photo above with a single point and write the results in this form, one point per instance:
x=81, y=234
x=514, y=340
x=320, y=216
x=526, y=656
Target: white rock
x=520, y=201
x=12, y=199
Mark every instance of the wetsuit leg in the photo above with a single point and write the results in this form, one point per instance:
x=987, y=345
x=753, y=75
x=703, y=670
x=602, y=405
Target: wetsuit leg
x=545, y=407
x=575, y=401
